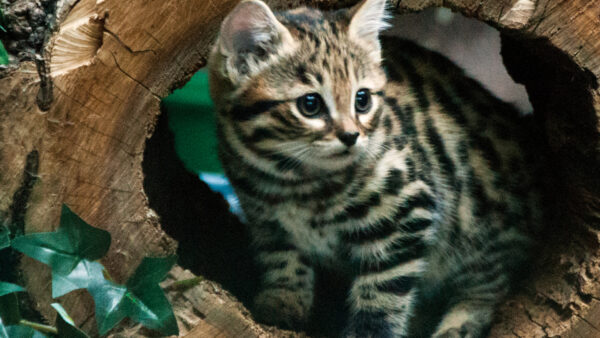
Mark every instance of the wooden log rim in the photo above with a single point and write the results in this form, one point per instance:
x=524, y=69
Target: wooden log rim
x=85, y=136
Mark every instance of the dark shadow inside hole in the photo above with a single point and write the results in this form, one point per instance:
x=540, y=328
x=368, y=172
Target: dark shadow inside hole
x=560, y=93
x=212, y=242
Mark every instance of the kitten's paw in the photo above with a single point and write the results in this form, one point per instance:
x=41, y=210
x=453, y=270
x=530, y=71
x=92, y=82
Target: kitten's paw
x=362, y=333
x=283, y=308
x=466, y=330
x=368, y=325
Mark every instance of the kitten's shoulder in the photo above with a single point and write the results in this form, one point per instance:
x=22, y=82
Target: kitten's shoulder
x=399, y=53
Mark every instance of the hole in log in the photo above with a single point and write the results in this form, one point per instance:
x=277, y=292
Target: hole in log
x=564, y=271
x=213, y=243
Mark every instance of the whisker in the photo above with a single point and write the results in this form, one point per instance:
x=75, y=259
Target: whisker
x=282, y=148
x=298, y=157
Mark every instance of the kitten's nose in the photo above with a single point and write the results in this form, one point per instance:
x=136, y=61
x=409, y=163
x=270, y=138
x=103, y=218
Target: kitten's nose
x=348, y=138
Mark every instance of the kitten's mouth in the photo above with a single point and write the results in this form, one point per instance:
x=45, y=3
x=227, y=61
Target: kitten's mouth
x=338, y=153
x=343, y=153
x=349, y=154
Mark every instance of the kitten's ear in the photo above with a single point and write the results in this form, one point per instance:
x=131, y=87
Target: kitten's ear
x=367, y=19
x=252, y=28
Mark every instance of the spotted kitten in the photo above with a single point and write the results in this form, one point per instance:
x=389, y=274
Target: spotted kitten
x=375, y=159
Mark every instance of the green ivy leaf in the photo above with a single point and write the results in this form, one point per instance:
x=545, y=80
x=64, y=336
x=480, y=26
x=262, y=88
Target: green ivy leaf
x=64, y=249
x=144, y=285
x=85, y=274
x=141, y=299
x=3, y=330
x=6, y=288
x=3, y=55
x=109, y=303
x=4, y=237
x=12, y=331
x=9, y=306
x=65, y=325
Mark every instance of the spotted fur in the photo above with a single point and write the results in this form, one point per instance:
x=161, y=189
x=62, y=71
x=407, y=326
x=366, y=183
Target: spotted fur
x=431, y=205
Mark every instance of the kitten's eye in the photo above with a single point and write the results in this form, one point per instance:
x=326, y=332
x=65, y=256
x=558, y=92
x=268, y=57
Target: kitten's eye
x=310, y=104
x=362, y=102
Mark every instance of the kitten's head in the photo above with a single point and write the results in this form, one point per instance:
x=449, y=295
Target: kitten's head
x=301, y=87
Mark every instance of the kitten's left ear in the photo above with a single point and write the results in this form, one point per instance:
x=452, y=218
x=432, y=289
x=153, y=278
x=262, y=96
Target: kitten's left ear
x=250, y=27
x=367, y=19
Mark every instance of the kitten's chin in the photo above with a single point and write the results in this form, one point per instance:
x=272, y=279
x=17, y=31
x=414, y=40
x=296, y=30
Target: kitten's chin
x=335, y=161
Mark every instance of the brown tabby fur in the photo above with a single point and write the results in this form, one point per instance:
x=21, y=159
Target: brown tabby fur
x=429, y=210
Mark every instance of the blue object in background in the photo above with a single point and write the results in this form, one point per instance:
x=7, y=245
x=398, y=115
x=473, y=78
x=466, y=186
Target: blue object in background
x=220, y=184
x=193, y=122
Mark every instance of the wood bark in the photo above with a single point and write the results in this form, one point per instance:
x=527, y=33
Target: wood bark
x=78, y=135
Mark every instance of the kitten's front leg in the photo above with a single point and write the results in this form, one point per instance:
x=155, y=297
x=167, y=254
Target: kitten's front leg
x=382, y=303
x=286, y=295
x=471, y=313
x=467, y=319
x=389, y=268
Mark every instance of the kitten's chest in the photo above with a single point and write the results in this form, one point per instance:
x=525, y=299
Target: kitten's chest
x=321, y=243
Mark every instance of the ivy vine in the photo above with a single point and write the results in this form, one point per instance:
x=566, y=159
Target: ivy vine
x=72, y=252
x=3, y=53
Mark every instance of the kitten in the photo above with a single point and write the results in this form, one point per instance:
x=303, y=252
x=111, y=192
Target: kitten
x=375, y=159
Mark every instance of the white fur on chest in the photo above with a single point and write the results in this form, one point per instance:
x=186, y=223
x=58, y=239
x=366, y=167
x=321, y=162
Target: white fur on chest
x=319, y=243
x=323, y=241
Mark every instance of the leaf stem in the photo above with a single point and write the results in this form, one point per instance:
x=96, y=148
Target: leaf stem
x=185, y=284
x=106, y=274
x=39, y=327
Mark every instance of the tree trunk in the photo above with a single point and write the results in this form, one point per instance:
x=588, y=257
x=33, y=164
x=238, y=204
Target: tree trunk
x=74, y=126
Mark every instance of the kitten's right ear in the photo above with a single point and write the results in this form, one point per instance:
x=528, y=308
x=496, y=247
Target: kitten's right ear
x=252, y=28
x=367, y=19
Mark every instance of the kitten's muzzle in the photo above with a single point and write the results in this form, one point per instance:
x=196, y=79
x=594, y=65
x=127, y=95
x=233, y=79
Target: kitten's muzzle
x=348, y=138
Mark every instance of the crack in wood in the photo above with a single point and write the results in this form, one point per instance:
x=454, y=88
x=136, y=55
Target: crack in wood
x=124, y=45
x=478, y=9
x=549, y=11
x=588, y=322
x=111, y=137
x=44, y=97
x=81, y=104
x=102, y=187
x=542, y=327
x=500, y=12
x=542, y=17
x=153, y=37
x=14, y=219
x=398, y=4
x=18, y=208
x=80, y=147
x=132, y=78
x=9, y=260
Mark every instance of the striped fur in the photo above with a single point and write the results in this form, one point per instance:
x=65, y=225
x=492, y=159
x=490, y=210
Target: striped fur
x=435, y=197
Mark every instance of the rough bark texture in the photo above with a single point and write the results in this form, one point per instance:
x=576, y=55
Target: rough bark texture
x=78, y=136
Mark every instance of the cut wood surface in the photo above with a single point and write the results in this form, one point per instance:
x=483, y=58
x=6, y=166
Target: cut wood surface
x=81, y=140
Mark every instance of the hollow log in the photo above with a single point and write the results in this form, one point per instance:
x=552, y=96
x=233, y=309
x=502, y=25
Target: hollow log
x=77, y=113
